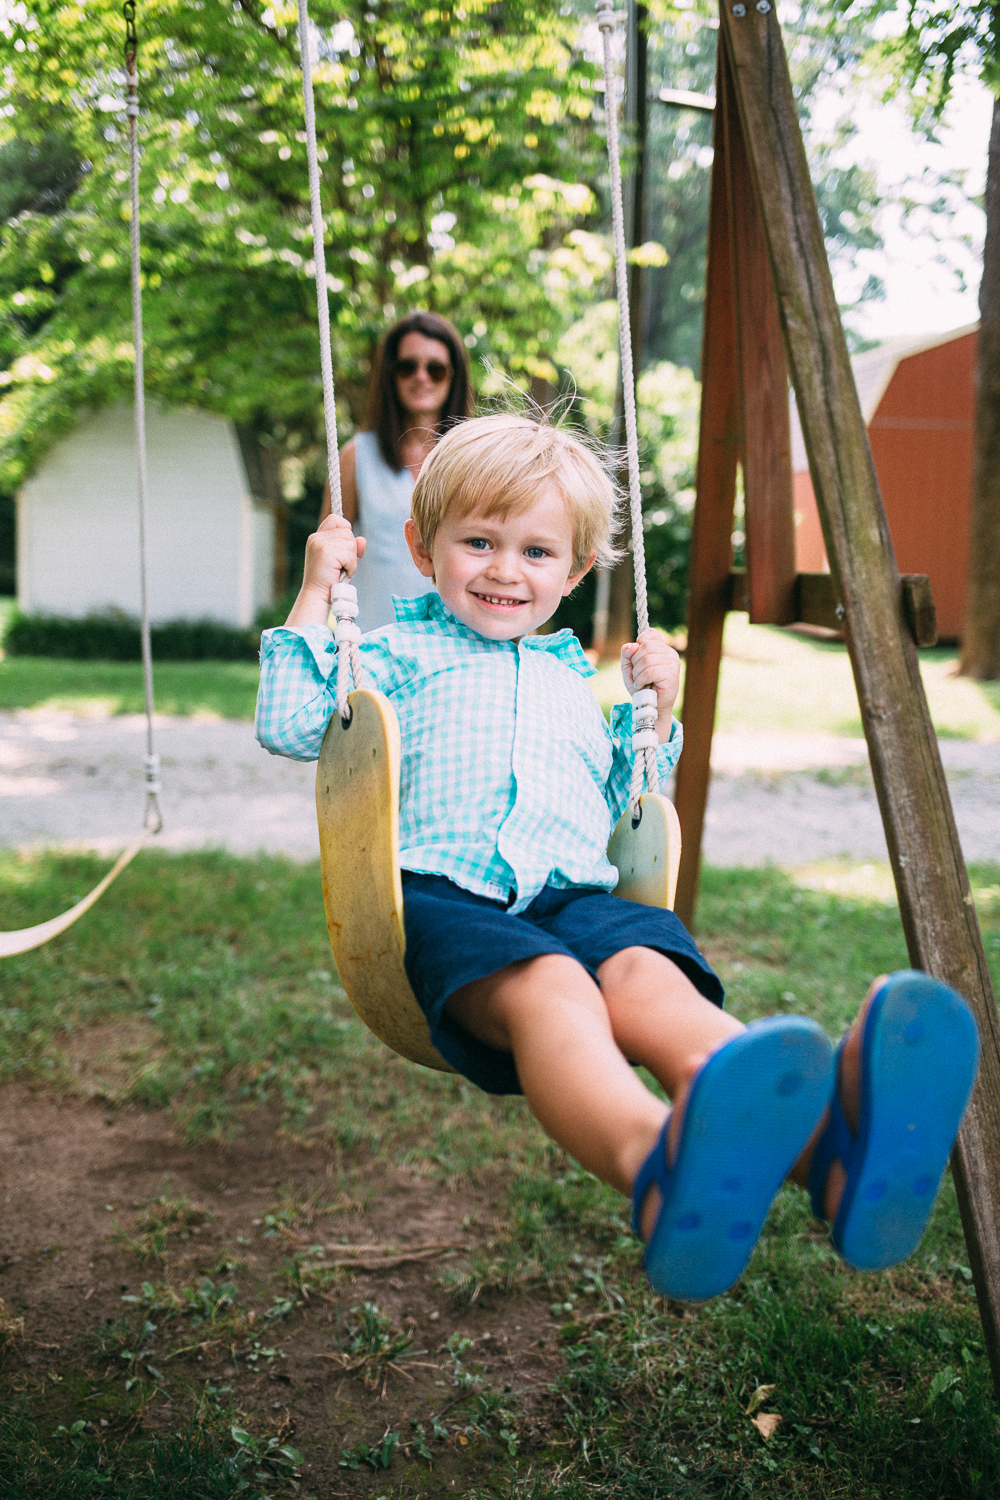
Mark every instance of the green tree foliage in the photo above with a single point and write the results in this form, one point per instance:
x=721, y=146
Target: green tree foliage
x=938, y=41
x=452, y=144
x=668, y=399
x=823, y=51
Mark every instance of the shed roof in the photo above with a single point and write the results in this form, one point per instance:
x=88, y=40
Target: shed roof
x=873, y=370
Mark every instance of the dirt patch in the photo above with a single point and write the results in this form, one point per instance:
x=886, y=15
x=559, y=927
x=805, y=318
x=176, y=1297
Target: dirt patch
x=76, y=1184
x=103, y=1060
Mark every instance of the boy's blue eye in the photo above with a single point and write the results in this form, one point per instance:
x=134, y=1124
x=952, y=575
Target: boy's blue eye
x=479, y=542
x=535, y=552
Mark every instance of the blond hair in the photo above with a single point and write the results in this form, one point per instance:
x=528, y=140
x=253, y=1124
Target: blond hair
x=497, y=465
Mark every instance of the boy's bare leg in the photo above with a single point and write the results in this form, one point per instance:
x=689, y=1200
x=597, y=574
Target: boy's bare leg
x=658, y=1018
x=564, y=1034
x=628, y=978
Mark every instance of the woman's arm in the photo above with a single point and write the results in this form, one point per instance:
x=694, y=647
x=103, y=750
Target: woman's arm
x=348, y=486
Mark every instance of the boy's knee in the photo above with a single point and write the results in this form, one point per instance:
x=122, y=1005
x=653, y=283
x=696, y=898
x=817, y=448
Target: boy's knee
x=630, y=967
x=494, y=1008
x=630, y=974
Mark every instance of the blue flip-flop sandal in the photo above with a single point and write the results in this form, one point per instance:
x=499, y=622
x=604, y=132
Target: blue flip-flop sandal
x=747, y=1117
x=919, y=1054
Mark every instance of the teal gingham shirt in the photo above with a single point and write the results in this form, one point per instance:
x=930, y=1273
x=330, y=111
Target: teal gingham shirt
x=510, y=779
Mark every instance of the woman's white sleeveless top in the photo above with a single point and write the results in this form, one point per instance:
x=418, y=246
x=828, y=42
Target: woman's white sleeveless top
x=383, y=507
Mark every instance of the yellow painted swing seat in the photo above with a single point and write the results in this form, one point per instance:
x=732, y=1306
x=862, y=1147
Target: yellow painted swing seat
x=357, y=804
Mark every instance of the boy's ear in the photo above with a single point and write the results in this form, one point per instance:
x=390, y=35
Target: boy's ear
x=574, y=578
x=419, y=553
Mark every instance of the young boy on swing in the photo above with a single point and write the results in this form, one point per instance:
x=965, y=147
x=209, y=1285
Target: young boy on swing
x=534, y=978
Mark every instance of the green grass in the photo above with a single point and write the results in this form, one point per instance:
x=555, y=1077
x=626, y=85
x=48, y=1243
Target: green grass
x=76, y=1465
x=771, y=680
x=215, y=689
x=778, y=680
x=212, y=979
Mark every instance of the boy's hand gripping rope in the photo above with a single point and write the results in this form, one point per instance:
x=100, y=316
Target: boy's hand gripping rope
x=343, y=595
x=644, y=711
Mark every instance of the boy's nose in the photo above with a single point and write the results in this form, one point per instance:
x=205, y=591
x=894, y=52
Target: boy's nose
x=503, y=567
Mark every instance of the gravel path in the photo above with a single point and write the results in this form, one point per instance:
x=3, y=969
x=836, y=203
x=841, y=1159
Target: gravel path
x=791, y=799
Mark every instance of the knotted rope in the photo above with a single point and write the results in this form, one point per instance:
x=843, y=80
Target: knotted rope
x=343, y=595
x=644, y=711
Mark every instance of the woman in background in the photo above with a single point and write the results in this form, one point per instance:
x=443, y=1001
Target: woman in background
x=419, y=388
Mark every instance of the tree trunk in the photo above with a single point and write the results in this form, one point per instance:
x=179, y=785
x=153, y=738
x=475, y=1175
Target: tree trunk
x=981, y=639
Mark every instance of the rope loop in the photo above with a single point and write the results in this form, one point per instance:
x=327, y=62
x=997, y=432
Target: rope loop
x=152, y=820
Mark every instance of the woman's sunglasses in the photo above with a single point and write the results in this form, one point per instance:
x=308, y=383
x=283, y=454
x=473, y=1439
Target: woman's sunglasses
x=437, y=370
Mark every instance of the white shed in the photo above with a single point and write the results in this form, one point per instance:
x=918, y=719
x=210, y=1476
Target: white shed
x=211, y=541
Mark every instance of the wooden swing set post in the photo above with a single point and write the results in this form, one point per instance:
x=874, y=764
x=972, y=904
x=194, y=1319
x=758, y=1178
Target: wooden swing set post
x=745, y=417
x=881, y=614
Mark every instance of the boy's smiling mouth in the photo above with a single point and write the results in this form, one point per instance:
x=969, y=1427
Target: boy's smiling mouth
x=498, y=601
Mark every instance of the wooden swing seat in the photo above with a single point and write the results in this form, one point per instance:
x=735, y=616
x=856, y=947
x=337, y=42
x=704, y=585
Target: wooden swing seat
x=357, y=805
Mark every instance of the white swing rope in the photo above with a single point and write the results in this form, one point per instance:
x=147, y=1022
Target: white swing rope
x=343, y=595
x=152, y=820
x=644, y=711
x=25, y=939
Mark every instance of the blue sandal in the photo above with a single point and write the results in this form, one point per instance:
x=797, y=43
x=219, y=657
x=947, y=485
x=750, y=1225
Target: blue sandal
x=919, y=1054
x=747, y=1117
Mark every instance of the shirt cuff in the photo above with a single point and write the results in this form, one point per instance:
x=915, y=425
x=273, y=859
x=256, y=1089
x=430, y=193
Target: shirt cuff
x=317, y=639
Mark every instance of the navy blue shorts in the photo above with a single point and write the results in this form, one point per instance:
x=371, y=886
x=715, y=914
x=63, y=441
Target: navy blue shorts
x=454, y=937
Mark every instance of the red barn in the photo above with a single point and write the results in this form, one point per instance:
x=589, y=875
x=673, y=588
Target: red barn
x=918, y=400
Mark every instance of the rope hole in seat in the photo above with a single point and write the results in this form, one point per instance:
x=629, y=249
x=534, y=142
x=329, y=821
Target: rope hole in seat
x=345, y=719
x=637, y=819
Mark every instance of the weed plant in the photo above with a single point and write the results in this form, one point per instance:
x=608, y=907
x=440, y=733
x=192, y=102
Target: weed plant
x=191, y=1465
x=213, y=979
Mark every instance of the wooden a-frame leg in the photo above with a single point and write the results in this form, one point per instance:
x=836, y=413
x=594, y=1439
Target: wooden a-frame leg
x=762, y=369
x=711, y=538
x=932, y=884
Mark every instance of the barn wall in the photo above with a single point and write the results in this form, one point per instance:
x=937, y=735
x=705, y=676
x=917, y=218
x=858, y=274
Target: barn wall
x=921, y=436
x=78, y=534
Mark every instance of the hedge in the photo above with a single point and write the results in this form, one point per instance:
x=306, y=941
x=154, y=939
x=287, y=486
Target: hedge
x=116, y=638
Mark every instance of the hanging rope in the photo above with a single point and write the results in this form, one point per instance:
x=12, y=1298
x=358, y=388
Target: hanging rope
x=644, y=711
x=153, y=817
x=26, y=938
x=343, y=595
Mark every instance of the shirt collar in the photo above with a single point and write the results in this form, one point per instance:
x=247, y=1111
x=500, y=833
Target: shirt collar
x=561, y=643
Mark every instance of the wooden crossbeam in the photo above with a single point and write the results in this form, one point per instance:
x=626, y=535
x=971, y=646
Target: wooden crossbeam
x=816, y=601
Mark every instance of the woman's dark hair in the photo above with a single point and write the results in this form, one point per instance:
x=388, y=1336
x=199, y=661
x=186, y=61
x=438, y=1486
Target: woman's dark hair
x=384, y=414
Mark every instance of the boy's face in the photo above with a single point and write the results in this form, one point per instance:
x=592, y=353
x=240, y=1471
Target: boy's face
x=503, y=576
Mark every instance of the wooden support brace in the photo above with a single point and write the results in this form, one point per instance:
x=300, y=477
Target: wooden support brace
x=817, y=602
x=769, y=513
x=932, y=885
x=711, y=533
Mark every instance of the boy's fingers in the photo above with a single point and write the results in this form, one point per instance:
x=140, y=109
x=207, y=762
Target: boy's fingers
x=333, y=523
